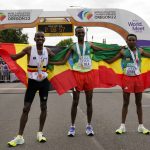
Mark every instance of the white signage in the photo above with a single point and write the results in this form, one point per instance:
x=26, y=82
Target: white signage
x=19, y=16
x=119, y=17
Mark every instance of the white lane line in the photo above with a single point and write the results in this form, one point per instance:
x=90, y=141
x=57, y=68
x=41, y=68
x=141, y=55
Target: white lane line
x=95, y=141
x=145, y=105
x=12, y=88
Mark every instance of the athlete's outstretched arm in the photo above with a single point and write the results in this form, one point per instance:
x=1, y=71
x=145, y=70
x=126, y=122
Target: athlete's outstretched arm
x=98, y=48
x=24, y=52
x=61, y=62
x=143, y=53
x=50, y=52
x=119, y=55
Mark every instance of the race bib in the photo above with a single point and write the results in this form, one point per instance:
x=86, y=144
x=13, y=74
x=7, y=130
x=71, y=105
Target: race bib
x=131, y=70
x=86, y=62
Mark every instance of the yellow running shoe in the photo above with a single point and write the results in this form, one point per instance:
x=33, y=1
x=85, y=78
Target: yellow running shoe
x=142, y=129
x=18, y=140
x=41, y=138
x=121, y=130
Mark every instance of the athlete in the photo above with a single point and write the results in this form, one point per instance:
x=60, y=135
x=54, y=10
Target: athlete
x=132, y=80
x=37, y=57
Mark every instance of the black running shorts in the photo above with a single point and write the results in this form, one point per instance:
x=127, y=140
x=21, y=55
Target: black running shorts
x=33, y=87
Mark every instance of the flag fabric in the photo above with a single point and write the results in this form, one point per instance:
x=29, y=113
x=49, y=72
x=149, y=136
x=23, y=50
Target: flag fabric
x=61, y=76
x=20, y=66
x=111, y=74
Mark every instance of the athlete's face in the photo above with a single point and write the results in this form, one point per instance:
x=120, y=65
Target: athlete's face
x=80, y=33
x=131, y=41
x=39, y=38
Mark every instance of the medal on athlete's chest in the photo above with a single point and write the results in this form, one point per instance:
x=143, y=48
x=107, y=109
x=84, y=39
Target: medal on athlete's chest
x=84, y=60
x=80, y=62
x=40, y=66
x=40, y=76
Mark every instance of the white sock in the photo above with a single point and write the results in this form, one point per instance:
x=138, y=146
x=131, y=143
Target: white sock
x=20, y=136
x=141, y=125
x=123, y=125
x=73, y=125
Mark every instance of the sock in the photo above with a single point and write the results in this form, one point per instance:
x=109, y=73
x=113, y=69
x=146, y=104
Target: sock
x=141, y=126
x=123, y=125
x=88, y=124
x=20, y=136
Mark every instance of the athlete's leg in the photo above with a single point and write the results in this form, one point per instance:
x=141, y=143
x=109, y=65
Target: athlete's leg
x=43, y=93
x=138, y=101
x=24, y=117
x=126, y=99
x=75, y=102
x=89, y=95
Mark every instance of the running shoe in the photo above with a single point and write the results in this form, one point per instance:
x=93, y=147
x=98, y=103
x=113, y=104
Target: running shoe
x=40, y=137
x=121, y=130
x=89, y=130
x=142, y=129
x=71, y=131
x=18, y=140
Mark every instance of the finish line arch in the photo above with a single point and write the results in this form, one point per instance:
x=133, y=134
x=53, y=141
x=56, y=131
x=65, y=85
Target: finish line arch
x=118, y=20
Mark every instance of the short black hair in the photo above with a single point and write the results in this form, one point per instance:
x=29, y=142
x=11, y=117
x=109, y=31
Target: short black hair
x=132, y=35
x=79, y=27
x=38, y=33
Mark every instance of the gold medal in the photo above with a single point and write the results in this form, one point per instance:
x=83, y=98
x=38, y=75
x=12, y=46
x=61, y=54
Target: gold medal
x=40, y=76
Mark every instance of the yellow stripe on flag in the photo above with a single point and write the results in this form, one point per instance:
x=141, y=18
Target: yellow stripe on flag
x=22, y=61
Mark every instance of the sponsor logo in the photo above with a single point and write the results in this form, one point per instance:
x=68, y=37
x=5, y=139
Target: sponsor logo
x=17, y=15
x=136, y=26
x=2, y=16
x=107, y=15
x=85, y=14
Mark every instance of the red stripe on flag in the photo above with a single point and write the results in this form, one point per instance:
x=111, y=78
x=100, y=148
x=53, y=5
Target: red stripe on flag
x=108, y=78
x=63, y=82
x=9, y=47
x=14, y=67
x=146, y=79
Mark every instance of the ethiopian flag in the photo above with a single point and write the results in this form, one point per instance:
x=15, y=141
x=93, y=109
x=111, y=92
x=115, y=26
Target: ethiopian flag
x=20, y=66
x=61, y=76
x=111, y=74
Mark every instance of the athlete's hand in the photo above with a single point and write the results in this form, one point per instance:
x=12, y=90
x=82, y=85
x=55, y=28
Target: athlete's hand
x=51, y=53
x=12, y=56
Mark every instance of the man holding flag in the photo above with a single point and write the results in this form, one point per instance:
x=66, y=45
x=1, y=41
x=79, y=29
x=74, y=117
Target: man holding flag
x=37, y=57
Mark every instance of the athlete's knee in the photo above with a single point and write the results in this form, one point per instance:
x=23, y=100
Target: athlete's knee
x=26, y=109
x=138, y=104
x=43, y=107
x=89, y=103
x=89, y=95
x=126, y=104
x=76, y=97
x=75, y=102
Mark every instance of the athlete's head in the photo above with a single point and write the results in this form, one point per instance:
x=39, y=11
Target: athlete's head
x=39, y=37
x=131, y=40
x=80, y=33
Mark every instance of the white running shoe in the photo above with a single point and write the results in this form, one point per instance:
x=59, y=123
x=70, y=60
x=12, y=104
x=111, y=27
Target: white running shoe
x=142, y=129
x=89, y=130
x=71, y=131
x=40, y=137
x=121, y=130
x=18, y=140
